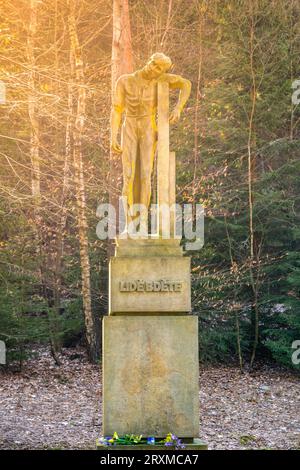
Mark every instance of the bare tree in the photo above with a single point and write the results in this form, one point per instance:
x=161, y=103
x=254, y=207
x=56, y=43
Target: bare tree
x=78, y=129
x=32, y=105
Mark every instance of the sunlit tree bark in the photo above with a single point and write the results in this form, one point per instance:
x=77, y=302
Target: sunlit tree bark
x=79, y=181
x=121, y=62
x=32, y=105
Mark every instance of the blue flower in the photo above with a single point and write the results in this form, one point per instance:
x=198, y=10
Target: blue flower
x=151, y=440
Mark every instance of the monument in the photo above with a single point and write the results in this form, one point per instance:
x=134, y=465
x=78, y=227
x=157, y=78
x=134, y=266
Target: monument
x=150, y=342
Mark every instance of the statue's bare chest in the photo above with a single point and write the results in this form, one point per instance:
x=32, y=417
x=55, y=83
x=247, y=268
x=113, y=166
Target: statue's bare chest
x=140, y=94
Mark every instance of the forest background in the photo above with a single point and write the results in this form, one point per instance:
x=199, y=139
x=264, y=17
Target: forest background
x=237, y=149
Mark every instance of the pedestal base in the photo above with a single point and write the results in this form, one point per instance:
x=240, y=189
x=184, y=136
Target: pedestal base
x=150, y=375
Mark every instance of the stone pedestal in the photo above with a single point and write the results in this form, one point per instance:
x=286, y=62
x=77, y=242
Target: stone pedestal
x=150, y=381
x=150, y=342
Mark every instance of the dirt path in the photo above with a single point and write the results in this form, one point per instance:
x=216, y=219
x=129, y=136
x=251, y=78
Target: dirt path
x=47, y=406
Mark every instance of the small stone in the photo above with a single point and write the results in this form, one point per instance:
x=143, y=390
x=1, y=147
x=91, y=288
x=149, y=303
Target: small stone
x=264, y=388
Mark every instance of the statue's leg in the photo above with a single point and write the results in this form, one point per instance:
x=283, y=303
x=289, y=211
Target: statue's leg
x=137, y=182
x=147, y=147
x=129, y=143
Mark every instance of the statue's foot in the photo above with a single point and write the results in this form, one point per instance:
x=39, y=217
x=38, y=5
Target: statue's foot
x=124, y=234
x=133, y=234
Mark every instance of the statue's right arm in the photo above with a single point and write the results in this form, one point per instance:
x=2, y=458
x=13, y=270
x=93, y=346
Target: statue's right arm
x=115, y=120
x=116, y=115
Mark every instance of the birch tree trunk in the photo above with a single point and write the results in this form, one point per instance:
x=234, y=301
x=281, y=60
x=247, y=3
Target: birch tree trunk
x=32, y=109
x=251, y=150
x=67, y=160
x=168, y=23
x=35, y=175
x=79, y=183
x=197, y=157
x=65, y=190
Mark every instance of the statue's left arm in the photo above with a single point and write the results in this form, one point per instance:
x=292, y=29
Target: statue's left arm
x=182, y=84
x=116, y=114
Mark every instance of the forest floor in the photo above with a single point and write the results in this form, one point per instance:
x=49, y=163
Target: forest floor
x=51, y=407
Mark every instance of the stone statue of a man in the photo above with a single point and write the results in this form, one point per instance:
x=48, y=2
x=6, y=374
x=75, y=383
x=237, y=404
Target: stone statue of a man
x=136, y=96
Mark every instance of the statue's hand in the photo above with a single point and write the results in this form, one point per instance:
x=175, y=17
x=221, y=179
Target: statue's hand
x=115, y=147
x=174, y=116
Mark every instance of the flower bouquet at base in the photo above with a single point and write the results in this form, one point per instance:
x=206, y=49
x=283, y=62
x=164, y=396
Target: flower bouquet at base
x=171, y=440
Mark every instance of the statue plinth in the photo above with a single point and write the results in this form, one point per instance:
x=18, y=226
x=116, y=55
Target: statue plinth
x=149, y=277
x=150, y=375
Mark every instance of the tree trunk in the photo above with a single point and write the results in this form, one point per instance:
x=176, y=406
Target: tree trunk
x=197, y=104
x=57, y=278
x=168, y=23
x=234, y=270
x=35, y=164
x=121, y=56
x=251, y=145
x=121, y=62
x=32, y=109
x=79, y=184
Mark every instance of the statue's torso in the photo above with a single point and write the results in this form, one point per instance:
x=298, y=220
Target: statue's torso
x=140, y=96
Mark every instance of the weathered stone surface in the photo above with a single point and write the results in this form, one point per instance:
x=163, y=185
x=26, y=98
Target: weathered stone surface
x=171, y=272
x=150, y=375
x=153, y=246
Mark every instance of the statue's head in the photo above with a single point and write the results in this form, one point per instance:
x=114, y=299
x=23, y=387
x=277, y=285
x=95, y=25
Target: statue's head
x=158, y=64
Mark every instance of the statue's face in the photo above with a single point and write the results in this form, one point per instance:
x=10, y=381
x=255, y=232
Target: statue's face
x=154, y=70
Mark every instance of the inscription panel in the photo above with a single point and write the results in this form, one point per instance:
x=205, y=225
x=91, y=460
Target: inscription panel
x=164, y=285
x=149, y=285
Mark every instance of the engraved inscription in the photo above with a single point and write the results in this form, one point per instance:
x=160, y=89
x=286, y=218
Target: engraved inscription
x=163, y=285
